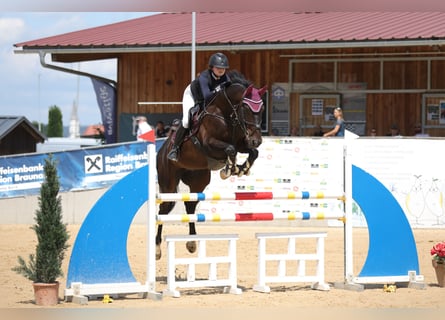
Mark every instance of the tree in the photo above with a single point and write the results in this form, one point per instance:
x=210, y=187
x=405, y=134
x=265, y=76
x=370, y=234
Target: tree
x=45, y=265
x=39, y=126
x=55, y=124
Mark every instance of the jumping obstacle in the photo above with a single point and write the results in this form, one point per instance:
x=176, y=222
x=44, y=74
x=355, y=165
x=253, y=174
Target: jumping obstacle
x=392, y=254
x=99, y=260
x=289, y=195
x=250, y=216
x=202, y=258
x=291, y=255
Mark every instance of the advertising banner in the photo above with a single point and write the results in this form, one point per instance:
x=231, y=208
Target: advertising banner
x=82, y=169
x=106, y=100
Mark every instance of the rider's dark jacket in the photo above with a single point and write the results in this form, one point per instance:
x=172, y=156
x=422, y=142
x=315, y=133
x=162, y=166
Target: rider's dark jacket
x=204, y=85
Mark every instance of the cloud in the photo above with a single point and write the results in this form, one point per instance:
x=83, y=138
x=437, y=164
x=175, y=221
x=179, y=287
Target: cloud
x=10, y=30
x=29, y=89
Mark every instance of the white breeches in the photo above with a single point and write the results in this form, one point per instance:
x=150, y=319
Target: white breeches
x=187, y=103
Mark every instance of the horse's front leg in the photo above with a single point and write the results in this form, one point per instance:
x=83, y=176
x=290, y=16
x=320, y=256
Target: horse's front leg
x=229, y=150
x=230, y=168
x=190, y=208
x=244, y=169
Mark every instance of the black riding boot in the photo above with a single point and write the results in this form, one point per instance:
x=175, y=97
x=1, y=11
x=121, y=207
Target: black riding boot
x=174, y=152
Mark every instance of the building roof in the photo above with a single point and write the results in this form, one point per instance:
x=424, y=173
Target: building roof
x=93, y=130
x=9, y=123
x=173, y=31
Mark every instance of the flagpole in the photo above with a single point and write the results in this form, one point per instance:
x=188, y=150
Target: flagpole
x=193, y=45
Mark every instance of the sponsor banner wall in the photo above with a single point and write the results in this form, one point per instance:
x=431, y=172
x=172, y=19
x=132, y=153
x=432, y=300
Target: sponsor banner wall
x=290, y=165
x=411, y=169
x=82, y=169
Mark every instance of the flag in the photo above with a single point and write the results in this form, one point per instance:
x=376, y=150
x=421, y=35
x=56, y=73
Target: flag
x=148, y=136
x=106, y=99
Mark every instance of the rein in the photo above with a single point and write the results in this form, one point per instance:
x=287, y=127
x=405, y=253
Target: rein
x=233, y=117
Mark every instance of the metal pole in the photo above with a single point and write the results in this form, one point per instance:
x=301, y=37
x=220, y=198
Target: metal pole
x=193, y=45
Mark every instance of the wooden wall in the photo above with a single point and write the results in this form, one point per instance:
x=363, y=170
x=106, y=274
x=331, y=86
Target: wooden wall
x=162, y=76
x=19, y=141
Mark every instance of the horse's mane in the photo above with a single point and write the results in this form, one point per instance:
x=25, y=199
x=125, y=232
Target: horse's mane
x=237, y=77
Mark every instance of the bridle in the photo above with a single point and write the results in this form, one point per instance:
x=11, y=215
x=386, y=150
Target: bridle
x=237, y=116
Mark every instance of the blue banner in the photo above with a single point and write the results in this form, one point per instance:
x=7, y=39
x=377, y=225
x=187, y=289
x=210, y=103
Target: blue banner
x=106, y=99
x=82, y=169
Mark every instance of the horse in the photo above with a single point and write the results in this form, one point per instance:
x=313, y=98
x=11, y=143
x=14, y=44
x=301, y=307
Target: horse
x=230, y=123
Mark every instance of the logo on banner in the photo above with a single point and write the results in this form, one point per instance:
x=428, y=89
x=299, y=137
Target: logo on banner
x=93, y=163
x=278, y=93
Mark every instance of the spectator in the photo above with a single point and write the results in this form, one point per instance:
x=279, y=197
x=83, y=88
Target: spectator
x=161, y=132
x=294, y=132
x=394, y=131
x=274, y=132
x=143, y=127
x=418, y=131
x=339, y=128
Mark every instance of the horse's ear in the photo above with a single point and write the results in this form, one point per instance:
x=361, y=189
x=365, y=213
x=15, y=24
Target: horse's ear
x=262, y=90
x=248, y=91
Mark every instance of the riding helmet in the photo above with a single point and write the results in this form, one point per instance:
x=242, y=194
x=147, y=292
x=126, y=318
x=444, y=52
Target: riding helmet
x=219, y=60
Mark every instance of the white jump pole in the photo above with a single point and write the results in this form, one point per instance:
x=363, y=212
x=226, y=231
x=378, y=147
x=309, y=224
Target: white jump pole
x=348, y=280
x=151, y=223
x=349, y=272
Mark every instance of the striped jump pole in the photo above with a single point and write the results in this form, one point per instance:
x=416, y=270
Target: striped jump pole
x=240, y=217
x=216, y=196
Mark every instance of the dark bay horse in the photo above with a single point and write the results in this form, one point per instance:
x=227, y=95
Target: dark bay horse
x=229, y=124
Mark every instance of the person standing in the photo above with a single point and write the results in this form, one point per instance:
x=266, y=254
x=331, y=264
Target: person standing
x=160, y=130
x=143, y=127
x=339, y=128
x=200, y=90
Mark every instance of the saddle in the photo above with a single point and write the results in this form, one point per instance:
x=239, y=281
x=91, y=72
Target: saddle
x=195, y=120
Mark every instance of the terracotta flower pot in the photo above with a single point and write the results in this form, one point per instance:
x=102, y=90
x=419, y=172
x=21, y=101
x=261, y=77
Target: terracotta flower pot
x=46, y=294
x=440, y=273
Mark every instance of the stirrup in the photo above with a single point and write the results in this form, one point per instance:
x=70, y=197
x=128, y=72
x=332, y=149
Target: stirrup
x=173, y=154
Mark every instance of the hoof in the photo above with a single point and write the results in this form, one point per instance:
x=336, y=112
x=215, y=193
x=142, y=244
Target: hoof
x=241, y=170
x=223, y=174
x=158, y=252
x=191, y=246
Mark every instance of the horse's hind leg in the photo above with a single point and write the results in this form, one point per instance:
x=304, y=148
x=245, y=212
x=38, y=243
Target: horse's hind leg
x=190, y=207
x=197, y=181
x=164, y=208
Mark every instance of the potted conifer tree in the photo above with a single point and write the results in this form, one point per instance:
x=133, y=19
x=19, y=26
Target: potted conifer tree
x=44, y=266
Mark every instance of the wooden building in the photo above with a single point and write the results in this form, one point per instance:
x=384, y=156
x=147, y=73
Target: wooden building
x=18, y=135
x=382, y=68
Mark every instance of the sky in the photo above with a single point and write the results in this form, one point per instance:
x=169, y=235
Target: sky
x=28, y=89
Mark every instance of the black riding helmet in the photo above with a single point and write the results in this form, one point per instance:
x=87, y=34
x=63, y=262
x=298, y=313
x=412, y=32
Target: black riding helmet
x=219, y=60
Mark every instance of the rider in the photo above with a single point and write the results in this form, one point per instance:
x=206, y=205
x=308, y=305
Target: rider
x=199, y=91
